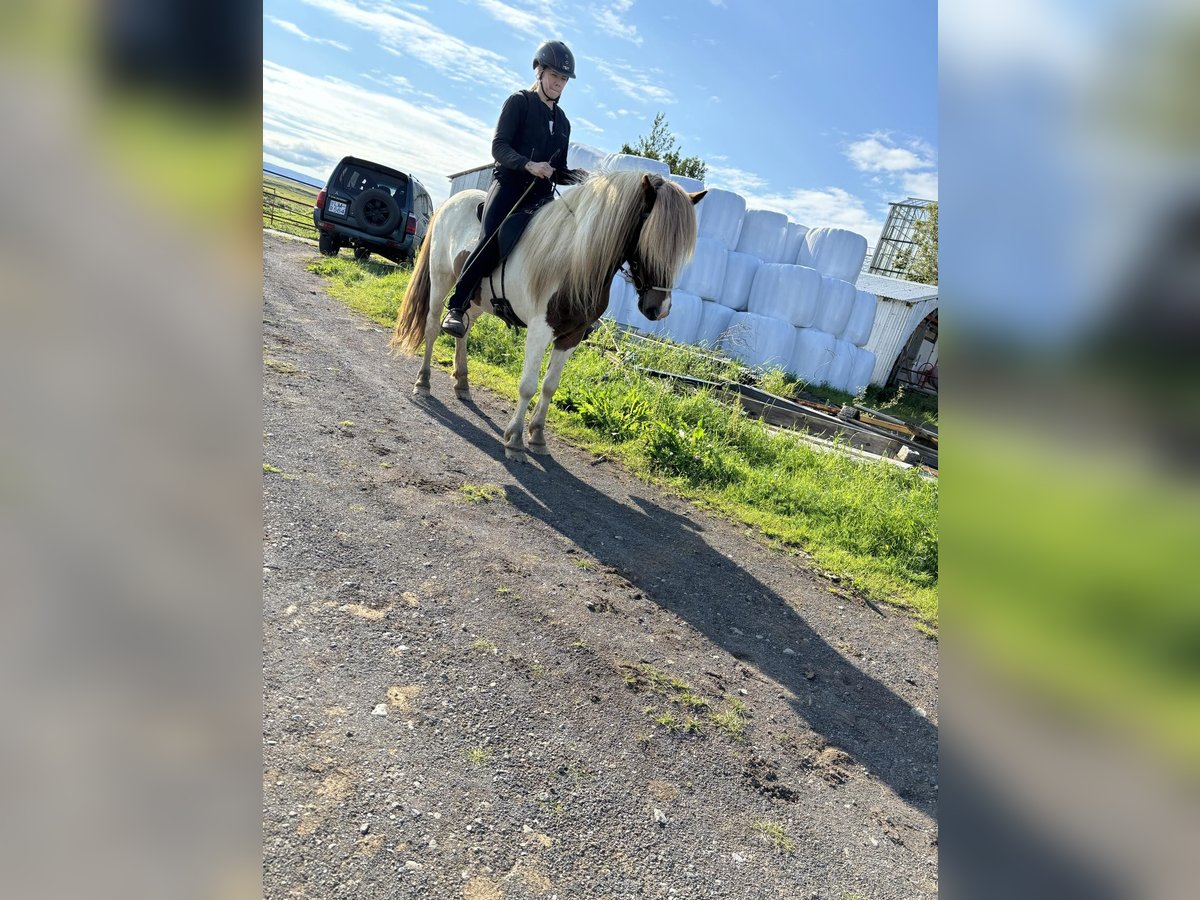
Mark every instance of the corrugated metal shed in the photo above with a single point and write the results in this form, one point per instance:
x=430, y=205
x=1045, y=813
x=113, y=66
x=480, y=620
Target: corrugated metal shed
x=902, y=306
x=480, y=177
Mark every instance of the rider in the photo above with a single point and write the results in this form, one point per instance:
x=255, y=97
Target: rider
x=530, y=148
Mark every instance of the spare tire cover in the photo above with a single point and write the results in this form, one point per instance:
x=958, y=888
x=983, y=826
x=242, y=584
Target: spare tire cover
x=376, y=211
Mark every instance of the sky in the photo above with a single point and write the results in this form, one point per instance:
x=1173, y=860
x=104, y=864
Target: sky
x=826, y=111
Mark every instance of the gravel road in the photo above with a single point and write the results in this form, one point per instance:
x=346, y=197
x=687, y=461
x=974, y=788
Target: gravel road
x=534, y=687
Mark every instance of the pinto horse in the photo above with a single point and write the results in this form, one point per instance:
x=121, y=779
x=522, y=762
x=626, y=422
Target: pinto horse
x=557, y=278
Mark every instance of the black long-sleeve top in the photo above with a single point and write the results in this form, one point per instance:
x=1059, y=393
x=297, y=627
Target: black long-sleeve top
x=529, y=130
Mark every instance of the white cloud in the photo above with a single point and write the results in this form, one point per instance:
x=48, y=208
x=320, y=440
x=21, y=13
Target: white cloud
x=633, y=82
x=832, y=206
x=522, y=20
x=403, y=33
x=876, y=153
x=922, y=185
x=610, y=21
x=586, y=125
x=732, y=179
x=293, y=28
x=309, y=123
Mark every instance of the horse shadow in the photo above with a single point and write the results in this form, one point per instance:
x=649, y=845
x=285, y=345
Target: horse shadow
x=668, y=558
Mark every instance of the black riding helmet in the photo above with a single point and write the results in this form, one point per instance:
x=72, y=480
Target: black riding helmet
x=557, y=56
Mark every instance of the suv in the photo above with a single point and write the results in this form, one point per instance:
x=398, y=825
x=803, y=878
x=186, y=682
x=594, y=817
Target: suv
x=373, y=209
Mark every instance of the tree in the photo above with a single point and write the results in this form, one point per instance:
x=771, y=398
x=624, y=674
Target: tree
x=660, y=144
x=922, y=264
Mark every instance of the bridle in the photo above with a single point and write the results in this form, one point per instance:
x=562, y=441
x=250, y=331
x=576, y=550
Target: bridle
x=631, y=268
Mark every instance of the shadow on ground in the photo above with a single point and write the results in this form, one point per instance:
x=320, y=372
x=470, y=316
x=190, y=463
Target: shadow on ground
x=664, y=555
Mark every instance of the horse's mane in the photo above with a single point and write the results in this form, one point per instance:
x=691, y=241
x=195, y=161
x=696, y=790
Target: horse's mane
x=575, y=244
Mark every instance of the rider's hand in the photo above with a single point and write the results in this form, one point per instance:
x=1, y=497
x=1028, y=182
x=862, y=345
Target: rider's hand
x=539, y=169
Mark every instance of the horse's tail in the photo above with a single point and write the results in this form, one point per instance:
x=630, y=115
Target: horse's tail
x=411, y=320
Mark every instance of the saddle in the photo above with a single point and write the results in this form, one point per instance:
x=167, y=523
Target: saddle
x=511, y=230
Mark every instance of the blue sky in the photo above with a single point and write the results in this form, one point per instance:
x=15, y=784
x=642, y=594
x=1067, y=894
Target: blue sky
x=823, y=110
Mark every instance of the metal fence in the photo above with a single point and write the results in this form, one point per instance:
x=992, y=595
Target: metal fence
x=285, y=213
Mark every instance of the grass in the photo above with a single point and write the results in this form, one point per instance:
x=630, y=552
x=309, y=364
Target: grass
x=477, y=756
x=271, y=470
x=872, y=523
x=480, y=493
x=776, y=834
x=483, y=645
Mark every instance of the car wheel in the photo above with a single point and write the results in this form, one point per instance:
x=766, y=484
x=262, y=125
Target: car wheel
x=362, y=253
x=376, y=211
x=327, y=244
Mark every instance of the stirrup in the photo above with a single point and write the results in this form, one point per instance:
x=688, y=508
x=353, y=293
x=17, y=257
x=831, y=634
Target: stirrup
x=455, y=323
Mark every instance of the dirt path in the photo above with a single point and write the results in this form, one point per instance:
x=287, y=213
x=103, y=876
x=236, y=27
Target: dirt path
x=522, y=648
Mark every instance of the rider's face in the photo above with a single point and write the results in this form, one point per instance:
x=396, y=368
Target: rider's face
x=553, y=83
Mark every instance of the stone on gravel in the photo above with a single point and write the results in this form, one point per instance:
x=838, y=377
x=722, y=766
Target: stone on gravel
x=380, y=710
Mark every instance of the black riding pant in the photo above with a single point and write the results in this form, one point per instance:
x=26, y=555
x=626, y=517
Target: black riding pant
x=502, y=196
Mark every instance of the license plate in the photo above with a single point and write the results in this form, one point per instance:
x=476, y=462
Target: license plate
x=337, y=207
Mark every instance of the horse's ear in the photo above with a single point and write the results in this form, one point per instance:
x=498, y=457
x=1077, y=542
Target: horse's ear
x=648, y=192
x=697, y=197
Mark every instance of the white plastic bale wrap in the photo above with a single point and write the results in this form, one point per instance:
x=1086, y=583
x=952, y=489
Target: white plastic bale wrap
x=812, y=355
x=836, y=252
x=839, y=371
x=862, y=365
x=795, y=238
x=785, y=292
x=862, y=319
x=692, y=186
x=624, y=298
x=722, y=218
x=584, y=156
x=740, y=269
x=683, y=322
x=616, y=299
x=759, y=341
x=627, y=162
x=705, y=274
x=714, y=319
x=764, y=234
x=835, y=304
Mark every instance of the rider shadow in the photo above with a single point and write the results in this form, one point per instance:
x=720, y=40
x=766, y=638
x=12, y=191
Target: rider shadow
x=667, y=557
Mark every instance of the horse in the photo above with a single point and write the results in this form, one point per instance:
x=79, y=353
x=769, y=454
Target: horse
x=556, y=279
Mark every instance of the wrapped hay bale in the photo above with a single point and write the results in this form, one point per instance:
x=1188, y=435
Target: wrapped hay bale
x=759, y=341
x=722, y=217
x=835, y=304
x=835, y=252
x=739, y=278
x=785, y=292
x=683, y=320
x=812, y=355
x=764, y=234
x=862, y=319
x=714, y=319
x=705, y=274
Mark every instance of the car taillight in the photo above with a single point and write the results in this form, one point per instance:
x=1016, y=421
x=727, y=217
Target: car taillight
x=321, y=200
x=411, y=227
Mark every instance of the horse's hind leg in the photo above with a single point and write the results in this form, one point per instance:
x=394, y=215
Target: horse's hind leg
x=462, y=389
x=537, y=424
x=537, y=337
x=433, y=327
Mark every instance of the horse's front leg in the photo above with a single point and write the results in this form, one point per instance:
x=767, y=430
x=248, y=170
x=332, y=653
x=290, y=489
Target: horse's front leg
x=537, y=337
x=537, y=424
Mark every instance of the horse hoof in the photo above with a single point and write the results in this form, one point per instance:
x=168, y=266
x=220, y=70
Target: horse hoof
x=464, y=396
x=538, y=447
x=421, y=390
x=515, y=455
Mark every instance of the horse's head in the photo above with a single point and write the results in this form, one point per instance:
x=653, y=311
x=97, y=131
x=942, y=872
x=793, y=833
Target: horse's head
x=662, y=243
